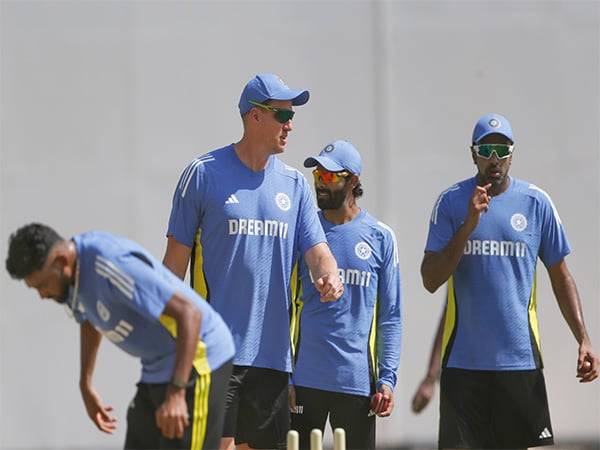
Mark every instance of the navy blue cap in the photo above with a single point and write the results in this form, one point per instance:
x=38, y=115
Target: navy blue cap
x=268, y=86
x=337, y=156
x=492, y=123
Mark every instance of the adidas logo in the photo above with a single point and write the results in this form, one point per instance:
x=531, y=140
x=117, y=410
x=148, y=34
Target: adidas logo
x=545, y=434
x=232, y=199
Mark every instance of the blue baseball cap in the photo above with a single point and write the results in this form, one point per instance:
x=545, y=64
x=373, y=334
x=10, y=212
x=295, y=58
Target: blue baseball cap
x=337, y=156
x=492, y=123
x=268, y=86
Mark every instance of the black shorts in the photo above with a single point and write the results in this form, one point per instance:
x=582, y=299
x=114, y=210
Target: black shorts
x=493, y=409
x=347, y=411
x=257, y=409
x=206, y=407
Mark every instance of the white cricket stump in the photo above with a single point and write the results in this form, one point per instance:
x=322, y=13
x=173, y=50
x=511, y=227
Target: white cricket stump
x=316, y=439
x=339, y=439
x=293, y=440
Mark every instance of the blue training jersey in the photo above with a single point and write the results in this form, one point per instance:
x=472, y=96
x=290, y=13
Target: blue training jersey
x=123, y=291
x=353, y=344
x=491, y=319
x=245, y=229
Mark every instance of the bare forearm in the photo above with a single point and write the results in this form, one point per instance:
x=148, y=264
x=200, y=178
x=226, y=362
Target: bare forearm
x=188, y=318
x=437, y=267
x=187, y=341
x=435, y=363
x=567, y=297
x=324, y=271
x=320, y=261
x=90, y=339
x=177, y=257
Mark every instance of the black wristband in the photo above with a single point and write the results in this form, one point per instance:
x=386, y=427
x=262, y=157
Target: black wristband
x=179, y=384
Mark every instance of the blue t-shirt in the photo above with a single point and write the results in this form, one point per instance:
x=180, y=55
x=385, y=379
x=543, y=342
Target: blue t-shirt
x=246, y=229
x=123, y=291
x=349, y=345
x=491, y=319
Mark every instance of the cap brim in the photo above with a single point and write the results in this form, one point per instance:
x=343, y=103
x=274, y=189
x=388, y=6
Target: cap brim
x=298, y=98
x=327, y=163
x=487, y=133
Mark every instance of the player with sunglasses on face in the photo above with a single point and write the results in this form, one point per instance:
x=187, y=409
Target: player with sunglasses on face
x=485, y=236
x=347, y=352
x=243, y=218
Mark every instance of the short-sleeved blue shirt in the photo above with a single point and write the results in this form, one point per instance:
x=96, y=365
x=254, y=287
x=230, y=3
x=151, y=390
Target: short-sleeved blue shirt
x=123, y=291
x=491, y=320
x=246, y=230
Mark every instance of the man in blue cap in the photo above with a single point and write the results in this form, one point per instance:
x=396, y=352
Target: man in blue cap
x=243, y=218
x=485, y=235
x=347, y=352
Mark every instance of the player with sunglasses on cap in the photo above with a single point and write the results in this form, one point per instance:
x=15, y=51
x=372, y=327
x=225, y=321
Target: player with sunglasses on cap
x=347, y=352
x=243, y=218
x=485, y=235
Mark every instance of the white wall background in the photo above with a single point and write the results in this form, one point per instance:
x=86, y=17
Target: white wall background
x=103, y=104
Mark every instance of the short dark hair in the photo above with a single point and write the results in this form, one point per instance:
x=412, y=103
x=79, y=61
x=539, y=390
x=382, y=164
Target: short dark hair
x=357, y=191
x=28, y=248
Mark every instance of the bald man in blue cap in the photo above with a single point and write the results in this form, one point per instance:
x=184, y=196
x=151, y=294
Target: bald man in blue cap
x=243, y=218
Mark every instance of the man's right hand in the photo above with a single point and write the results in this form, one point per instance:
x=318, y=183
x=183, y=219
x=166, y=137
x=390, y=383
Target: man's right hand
x=97, y=411
x=478, y=204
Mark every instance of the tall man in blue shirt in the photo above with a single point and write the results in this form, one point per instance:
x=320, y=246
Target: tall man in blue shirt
x=485, y=236
x=116, y=289
x=242, y=217
x=347, y=352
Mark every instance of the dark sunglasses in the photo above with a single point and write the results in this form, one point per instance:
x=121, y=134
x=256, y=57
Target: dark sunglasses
x=502, y=151
x=282, y=115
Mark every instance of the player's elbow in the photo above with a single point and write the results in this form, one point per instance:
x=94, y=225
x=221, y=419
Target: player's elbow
x=184, y=311
x=430, y=288
x=428, y=277
x=194, y=314
x=430, y=284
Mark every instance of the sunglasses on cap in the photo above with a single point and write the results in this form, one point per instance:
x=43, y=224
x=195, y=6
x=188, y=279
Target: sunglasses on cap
x=326, y=177
x=502, y=151
x=282, y=115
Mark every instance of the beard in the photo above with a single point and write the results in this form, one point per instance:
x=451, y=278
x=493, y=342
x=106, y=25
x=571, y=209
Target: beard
x=497, y=180
x=327, y=199
x=65, y=288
